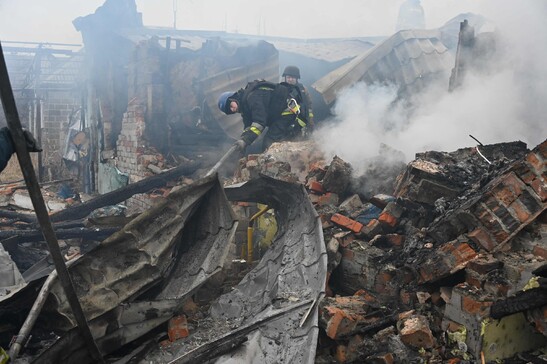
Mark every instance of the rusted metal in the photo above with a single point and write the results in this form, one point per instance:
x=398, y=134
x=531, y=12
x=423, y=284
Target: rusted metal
x=16, y=130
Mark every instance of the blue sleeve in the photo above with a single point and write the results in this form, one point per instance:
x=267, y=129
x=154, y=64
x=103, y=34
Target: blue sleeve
x=6, y=147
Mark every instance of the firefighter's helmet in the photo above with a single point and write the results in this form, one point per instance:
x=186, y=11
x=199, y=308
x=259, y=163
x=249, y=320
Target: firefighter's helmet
x=223, y=103
x=292, y=71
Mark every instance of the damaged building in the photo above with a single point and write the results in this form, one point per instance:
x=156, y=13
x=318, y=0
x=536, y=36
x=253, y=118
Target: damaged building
x=285, y=256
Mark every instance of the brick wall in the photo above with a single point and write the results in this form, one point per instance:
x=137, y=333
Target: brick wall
x=56, y=109
x=512, y=201
x=132, y=157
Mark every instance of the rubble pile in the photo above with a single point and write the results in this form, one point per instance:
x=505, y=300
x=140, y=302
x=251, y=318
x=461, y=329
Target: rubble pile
x=412, y=275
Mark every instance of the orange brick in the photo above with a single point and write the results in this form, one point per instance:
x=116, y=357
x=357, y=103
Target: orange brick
x=177, y=328
x=328, y=198
x=344, y=238
x=500, y=235
x=482, y=237
x=472, y=306
x=387, y=219
x=316, y=187
x=514, y=183
x=539, y=188
x=504, y=194
x=461, y=252
x=535, y=162
x=347, y=223
x=415, y=332
x=372, y=228
x=540, y=251
x=335, y=320
x=366, y=295
x=520, y=211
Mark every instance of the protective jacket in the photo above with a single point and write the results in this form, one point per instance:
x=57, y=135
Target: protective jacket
x=278, y=106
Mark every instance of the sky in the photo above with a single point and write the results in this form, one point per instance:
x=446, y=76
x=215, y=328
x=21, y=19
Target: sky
x=24, y=20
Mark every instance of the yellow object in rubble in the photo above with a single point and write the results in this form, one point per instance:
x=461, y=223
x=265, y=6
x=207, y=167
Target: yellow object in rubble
x=4, y=357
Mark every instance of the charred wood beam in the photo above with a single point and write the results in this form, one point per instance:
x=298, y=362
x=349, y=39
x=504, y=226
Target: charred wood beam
x=12, y=215
x=522, y=301
x=20, y=224
x=376, y=326
x=122, y=194
x=111, y=198
x=12, y=237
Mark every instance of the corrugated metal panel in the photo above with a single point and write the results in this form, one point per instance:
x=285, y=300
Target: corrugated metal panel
x=177, y=245
x=404, y=58
x=144, y=252
x=330, y=50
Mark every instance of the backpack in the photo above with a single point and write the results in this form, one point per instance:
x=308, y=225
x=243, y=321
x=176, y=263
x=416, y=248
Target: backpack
x=282, y=93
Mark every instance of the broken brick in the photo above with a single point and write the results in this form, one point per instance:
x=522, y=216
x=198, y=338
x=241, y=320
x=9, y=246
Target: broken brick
x=387, y=219
x=347, y=223
x=386, y=358
x=535, y=162
x=538, y=185
x=474, y=306
x=342, y=317
x=482, y=237
x=373, y=228
x=540, y=251
x=177, y=328
x=448, y=259
x=484, y=264
x=316, y=187
x=328, y=198
x=520, y=211
x=344, y=238
x=415, y=332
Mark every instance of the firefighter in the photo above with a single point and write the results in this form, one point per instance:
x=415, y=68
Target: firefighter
x=291, y=75
x=7, y=148
x=277, y=106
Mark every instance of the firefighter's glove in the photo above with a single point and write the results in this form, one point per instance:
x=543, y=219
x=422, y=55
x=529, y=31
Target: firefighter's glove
x=249, y=135
x=241, y=145
x=32, y=144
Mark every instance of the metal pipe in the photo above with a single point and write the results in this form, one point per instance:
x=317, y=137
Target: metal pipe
x=21, y=338
x=250, y=231
x=234, y=148
x=16, y=131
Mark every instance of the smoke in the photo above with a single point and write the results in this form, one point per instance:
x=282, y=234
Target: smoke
x=503, y=102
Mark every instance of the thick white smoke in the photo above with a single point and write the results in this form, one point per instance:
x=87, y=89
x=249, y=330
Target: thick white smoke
x=506, y=103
